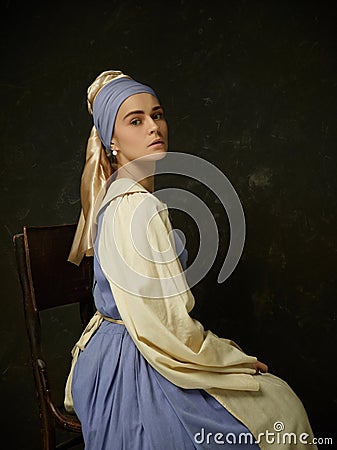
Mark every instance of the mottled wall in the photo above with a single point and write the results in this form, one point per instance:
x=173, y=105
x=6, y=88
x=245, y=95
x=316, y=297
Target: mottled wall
x=248, y=85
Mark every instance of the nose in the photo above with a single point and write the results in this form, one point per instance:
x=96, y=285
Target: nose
x=153, y=126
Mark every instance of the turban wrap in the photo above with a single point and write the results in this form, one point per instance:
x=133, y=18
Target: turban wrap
x=104, y=98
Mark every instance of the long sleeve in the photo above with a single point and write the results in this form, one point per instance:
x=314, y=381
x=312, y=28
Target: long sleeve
x=138, y=257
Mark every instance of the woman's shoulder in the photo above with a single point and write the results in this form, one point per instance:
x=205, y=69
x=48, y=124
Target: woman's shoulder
x=126, y=193
x=137, y=197
x=138, y=212
x=136, y=202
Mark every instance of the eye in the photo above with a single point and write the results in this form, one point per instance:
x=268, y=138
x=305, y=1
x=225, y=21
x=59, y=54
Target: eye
x=158, y=115
x=135, y=122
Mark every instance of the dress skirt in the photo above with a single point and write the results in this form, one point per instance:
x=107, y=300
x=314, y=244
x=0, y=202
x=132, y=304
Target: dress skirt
x=123, y=403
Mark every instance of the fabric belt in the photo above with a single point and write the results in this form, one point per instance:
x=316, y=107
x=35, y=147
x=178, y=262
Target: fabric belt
x=110, y=319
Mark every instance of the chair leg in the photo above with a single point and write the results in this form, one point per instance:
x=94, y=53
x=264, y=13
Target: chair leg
x=48, y=439
x=47, y=422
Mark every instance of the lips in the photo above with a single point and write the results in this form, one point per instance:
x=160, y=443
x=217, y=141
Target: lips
x=156, y=142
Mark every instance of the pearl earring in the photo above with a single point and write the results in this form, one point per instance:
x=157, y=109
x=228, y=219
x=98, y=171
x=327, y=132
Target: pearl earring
x=114, y=152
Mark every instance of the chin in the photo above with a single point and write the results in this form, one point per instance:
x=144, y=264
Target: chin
x=155, y=156
x=160, y=155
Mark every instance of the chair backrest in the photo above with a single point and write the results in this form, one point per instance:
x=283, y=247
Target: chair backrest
x=55, y=281
x=48, y=280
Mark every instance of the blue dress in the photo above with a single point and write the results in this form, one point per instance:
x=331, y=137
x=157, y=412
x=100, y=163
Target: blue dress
x=123, y=403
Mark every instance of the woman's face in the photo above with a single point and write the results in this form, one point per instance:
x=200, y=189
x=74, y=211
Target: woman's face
x=140, y=129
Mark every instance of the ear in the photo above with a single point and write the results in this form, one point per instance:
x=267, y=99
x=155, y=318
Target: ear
x=114, y=144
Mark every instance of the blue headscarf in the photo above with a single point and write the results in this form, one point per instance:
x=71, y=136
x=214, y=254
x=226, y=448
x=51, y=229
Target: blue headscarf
x=108, y=102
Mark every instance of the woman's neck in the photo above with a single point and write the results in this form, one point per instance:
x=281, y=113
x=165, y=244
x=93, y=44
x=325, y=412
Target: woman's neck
x=148, y=183
x=141, y=173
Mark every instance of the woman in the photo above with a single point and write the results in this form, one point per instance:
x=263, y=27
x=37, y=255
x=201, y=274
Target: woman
x=145, y=375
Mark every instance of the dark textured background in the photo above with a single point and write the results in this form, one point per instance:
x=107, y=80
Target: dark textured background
x=251, y=87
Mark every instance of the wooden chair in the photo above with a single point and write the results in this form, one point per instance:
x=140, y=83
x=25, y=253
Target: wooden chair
x=48, y=280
